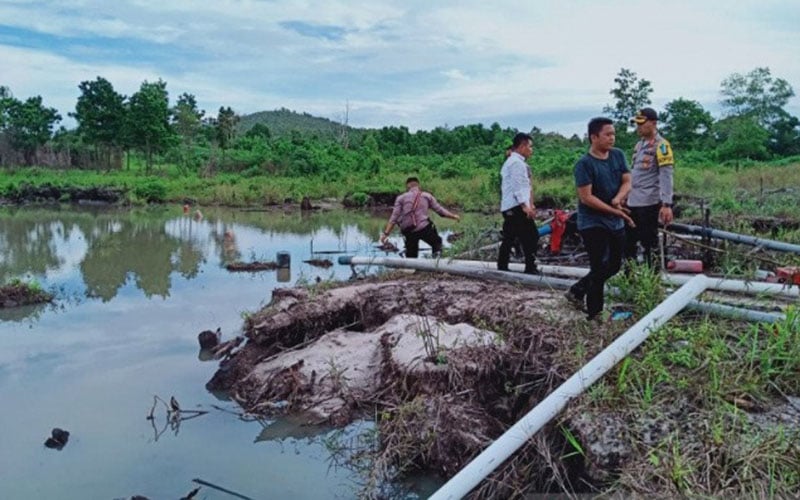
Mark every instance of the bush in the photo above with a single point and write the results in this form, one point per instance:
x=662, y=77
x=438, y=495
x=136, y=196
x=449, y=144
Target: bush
x=358, y=199
x=153, y=191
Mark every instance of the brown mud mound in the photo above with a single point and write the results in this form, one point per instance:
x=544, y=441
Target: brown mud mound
x=345, y=367
x=326, y=263
x=20, y=294
x=297, y=317
x=251, y=266
x=444, y=365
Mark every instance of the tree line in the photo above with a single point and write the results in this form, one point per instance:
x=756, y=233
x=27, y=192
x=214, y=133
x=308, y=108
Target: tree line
x=112, y=127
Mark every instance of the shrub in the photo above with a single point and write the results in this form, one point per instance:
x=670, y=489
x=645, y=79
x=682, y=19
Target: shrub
x=153, y=191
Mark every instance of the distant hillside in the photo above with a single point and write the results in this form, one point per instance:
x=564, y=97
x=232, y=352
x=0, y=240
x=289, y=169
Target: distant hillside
x=282, y=121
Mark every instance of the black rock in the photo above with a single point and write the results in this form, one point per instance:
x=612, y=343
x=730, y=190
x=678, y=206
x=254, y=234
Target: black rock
x=58, y=439
x=209, y=339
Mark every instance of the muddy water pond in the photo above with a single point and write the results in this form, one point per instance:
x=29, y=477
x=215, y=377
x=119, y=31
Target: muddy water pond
x=133, y=288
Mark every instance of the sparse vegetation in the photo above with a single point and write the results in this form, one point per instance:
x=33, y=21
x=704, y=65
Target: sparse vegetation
x=19, y=293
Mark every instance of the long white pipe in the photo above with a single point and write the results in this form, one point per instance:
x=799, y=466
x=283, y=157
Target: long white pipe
x=720, y=284
x=459, y=269
x=469, y=267
x=735, y=312
x=503, y=447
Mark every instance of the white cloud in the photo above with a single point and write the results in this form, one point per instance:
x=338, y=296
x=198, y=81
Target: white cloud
x=416, y=64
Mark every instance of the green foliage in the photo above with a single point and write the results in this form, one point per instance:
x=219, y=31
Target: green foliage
x=226, y=126
x=359, y=199
x=687, y=124
x=756, y=94
x=6, y=101
x=741, y=138
x=100, y=112
x=259, y=130
x=785, y=136
x=630, y=94
x=29, y=123
x=153, y=191
x=282, y=122
x=149, y=120
x=640, y=286
x=296, y=155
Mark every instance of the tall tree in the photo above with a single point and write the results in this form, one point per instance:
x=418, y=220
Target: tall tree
x=187, y=120
x=630, y=94
x=101, y=116
x=741, y=137
x=784, y=137
x=149, y=119
x=756, y=94
x=686, y=123
x=226, y=127
x=6, y=100
x=30, y=125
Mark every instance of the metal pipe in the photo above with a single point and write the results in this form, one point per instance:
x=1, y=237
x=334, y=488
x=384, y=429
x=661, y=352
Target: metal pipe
x=735, y=237
x=503, y=447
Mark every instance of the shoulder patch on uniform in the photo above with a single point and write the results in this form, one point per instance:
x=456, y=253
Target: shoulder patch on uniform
x=664, y=154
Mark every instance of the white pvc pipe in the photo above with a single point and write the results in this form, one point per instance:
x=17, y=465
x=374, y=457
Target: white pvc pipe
x=740, y=286
x=462, y=270
x=503, y=447
x=735, y=312
x=720, y=284
x=469, y=267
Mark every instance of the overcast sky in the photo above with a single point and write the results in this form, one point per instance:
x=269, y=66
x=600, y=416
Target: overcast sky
x=420, y=64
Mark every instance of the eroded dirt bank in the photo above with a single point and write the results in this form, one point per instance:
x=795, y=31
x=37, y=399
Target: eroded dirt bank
x=447, y=364
x=493, y=350
x=20, y=294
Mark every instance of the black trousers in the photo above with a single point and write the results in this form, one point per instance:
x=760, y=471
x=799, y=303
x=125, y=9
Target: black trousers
x=429, y=235
x=517, y=226
x=645, y=232
x=605, y=259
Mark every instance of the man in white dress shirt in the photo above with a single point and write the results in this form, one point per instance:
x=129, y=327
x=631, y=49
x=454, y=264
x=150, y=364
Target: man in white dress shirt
x=517, y=206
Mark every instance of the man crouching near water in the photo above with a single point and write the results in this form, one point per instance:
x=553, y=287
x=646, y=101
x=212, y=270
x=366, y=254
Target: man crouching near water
x=411, y=214
x=603, y=181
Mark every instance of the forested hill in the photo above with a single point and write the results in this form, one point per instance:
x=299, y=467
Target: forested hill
x=281, y=122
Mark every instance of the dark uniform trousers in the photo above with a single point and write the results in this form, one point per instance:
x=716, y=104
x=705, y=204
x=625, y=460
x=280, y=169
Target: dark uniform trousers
x=517, y=226
x=428, y=234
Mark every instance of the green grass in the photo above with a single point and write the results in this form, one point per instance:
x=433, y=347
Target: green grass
x=456, y=180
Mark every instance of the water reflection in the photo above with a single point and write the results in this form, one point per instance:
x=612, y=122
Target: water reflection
x=132, y=291
x=97, y=252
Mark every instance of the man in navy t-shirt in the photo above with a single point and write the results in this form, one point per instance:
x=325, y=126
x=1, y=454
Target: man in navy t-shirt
x=603, y=181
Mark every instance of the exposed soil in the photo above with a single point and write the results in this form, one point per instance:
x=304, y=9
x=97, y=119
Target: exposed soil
x=343, y=353
x=49, y=193
x=251, y=266
x=445, y=365
x=325, y=263
x=20, y=294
